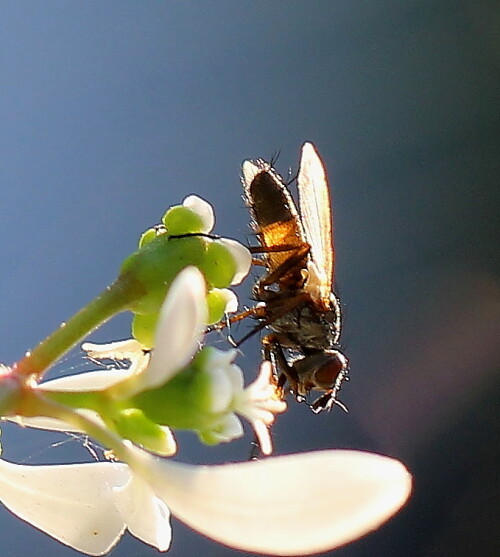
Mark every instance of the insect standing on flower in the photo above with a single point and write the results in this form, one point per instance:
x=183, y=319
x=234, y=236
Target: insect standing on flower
x=297, y=302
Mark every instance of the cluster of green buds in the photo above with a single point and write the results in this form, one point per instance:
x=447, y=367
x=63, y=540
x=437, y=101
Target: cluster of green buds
x=176, y=284
x=184, y=239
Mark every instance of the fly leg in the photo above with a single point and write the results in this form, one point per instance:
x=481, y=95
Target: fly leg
x=259, y=311
x=326, y=402
x=282, y=370
x=294, y=261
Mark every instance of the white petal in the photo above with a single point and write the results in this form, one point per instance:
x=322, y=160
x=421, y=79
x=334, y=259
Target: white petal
x=235, y=375
x=203, y=209
x=128, y=349
x=291, y=505
x=53, y=424
x=224, y=428
x=147, y=517
x=170, y=443
x=241, y=256
x=230, y=428
x=221, y=392
x=220, y=358
x=98, y=380
x=72, y=503
x=182, y=320
x=219, y=366
x=263, y=437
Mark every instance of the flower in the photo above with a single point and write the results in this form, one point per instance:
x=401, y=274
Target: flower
x=175, y=385
x=182, y=320
x=288, y=505
x=258, y=403
x=85, y=506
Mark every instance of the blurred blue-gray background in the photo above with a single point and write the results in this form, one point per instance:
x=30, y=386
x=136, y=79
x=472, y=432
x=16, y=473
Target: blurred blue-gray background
x=112, y=111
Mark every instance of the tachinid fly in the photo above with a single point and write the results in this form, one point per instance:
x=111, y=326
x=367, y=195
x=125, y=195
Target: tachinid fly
x=297, y=302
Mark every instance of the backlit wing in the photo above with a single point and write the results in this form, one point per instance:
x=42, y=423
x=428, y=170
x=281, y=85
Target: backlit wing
x=316, y=214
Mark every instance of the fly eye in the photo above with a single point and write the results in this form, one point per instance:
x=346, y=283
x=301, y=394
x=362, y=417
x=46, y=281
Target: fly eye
x=326, y=375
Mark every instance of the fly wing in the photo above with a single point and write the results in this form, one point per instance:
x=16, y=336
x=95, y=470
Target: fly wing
x=315, y=209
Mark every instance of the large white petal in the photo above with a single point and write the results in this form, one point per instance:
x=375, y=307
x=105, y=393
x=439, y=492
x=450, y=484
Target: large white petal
x=182, y=320
x=290, y=505
x=147, y=516
x=72, y=503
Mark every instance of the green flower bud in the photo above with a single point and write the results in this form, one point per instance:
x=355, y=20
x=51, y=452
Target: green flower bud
x=216, y=302
x=181, y=220
x=151, y=234
x=132, y=424
x=219, y=265
x=184, y=402
x=144, y=327
x=154, y=266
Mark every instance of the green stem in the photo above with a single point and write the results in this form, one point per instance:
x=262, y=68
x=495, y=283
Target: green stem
x=114, y=299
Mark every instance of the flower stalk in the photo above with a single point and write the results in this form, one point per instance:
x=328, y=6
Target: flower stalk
x=113, y=300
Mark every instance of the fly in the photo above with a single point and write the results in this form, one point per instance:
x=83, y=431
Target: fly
x=295, y=295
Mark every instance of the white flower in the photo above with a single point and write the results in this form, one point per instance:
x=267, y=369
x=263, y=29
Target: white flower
x=86, y=506
x=258, y=403
x=289, y=505
x=178, y=335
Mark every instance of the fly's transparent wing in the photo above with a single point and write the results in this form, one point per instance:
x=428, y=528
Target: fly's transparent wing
x=316, y=213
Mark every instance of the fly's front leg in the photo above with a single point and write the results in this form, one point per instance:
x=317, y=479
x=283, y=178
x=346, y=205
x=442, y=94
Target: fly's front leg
x=327, y=401
x=282, y=370
x=256, y=312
